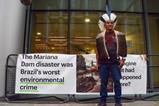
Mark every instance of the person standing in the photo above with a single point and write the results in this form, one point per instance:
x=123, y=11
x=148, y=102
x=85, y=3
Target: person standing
x=111, y=53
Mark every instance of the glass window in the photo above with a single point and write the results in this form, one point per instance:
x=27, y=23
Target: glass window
x=83, y=34
x=49, y=32
x=88, y=4
x=127, y=5
x=154, y=33
x=154, y=38
x=131, y=24
x=84, y=28
x=153, y=5
x=74, y=31
x=49, y=4
x=155, y=78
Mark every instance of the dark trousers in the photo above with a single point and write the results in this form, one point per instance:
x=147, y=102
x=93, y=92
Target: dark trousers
x=104, y=71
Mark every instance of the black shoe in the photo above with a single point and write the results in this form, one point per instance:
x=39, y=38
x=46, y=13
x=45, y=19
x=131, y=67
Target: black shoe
x=118, y=104
x=102, y=104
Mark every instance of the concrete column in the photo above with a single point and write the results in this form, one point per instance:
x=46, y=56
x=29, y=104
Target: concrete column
x=12, y=22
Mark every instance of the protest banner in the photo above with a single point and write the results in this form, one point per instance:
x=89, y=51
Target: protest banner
x=134, y=75
x=64, y=74
x=46, y=74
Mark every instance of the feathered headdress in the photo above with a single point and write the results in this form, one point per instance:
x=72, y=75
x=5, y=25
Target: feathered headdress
x=108, y=16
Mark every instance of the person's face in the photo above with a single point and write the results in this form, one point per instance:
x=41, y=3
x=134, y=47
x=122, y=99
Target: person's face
x=109, y=25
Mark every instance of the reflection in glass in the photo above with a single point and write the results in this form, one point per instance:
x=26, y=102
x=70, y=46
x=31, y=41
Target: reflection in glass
x=88, y=4
x=83, y=28
x=83, y=34
x=155, y=79
x=49, y=32
x=127, y=5
x=153, y=6
x=131, y=24
x=154, y=32
x=154, y=56
x=49, y=4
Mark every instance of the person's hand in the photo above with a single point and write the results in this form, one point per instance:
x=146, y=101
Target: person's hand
x=121, y=63
x=92, y=69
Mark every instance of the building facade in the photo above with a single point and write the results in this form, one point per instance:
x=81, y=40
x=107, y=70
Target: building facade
x=71, y=26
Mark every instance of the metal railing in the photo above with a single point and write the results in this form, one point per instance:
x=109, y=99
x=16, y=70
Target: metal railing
x=10, y=75
x=10, y=84
x=10, y=88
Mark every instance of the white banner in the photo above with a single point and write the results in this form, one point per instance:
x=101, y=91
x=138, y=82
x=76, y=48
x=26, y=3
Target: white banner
x=134, y=75
x=46, y=74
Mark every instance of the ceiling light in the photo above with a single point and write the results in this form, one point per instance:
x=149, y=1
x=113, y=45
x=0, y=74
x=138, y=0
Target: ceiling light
x=87, y=20
x=38, y=33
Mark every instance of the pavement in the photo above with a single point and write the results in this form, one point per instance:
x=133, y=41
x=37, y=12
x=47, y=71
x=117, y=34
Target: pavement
x=85, y=100
x=134, y=103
